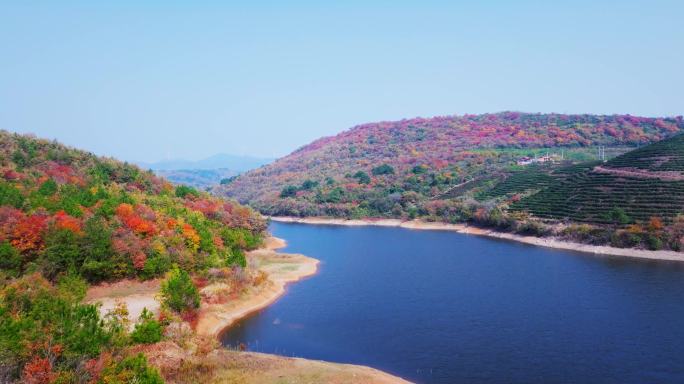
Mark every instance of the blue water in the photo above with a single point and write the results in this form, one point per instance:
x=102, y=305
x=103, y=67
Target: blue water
x=441, y=307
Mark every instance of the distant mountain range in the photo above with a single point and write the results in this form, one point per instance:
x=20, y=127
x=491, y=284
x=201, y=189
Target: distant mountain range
x=234, y=163
x=198, y=178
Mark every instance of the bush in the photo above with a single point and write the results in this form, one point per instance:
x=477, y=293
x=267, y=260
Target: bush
x=61, y=254
x=97, y=270
x=362, y=177
x=10, y=195
x=240, y=238
x=147, y=330
x=178, y=291
x=132, y=369
x=155, y=266
x=289, y=191
x=236, y=257
x=309, y=184
x=183, y=190
x=33, y=310
x=10, y=260
x=654, y=243
x=618, y=216
x=97, y=251
x=48, y=188
x=384, y=169
x=418, y=169
x=72, y=287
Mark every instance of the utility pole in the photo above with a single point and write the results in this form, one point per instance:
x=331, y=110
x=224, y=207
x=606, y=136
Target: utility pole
x=602, y=153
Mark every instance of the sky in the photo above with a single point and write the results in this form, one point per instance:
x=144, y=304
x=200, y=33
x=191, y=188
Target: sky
x=152, y=80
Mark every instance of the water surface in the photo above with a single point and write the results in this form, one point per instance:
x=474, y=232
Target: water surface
x=442, y=307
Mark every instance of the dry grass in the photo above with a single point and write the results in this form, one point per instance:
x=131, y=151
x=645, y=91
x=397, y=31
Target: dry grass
x=226, y=366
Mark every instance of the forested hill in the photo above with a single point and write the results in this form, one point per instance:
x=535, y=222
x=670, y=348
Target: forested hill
x=68, y=218
x=64, y=210
x=393, y=168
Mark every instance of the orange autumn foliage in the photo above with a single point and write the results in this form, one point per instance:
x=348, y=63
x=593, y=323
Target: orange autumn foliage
x=655, y=224
x=140, y=225
x=124, y=210
x=134, y=222
x=191, y=236
x=27, y=234
x=64, y=221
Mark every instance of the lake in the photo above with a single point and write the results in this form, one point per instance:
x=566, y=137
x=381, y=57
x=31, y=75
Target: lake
x=443, y=307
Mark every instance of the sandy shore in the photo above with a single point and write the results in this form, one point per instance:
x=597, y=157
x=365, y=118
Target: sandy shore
x=227, y=366
x=281, y=268
x=463, y=228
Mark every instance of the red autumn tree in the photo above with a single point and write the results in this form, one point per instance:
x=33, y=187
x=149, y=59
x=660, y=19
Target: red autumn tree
x=28, y=233
x=38, y=371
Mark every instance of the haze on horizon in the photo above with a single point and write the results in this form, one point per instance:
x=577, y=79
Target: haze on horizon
x=146, y=82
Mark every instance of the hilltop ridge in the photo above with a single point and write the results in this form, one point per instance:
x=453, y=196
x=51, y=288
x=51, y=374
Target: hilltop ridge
x=392, y=169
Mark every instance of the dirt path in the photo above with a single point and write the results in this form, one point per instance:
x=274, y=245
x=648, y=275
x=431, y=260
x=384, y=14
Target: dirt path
x=641, y=173
x=135, y=294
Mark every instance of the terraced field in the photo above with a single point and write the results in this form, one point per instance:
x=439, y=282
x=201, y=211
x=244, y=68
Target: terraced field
x=591, y=196
x=586, y=195
x=534, y=178
x=528, y=179
x=666, y=155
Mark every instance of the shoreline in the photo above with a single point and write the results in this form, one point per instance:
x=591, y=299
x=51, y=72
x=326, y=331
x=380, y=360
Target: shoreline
x=215, y=319
x=549, y=242
x=283, y=269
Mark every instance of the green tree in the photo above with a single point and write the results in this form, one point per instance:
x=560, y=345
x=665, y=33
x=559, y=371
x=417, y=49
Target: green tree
x=335, y=195
x=34, y=313
x=10, y=259
x=384, y=169
x=48, y=188
x=619, y=216
x=418, y=169
x=237, y=257
x=132, y=369
x=289, y=191
x=183, y=190
x=10, y=195
x=147, y=330
x=155, y=266
x=96, y=250
x=178, y=291
x=362, y=177
x=61, y=254
x=309, y=184
x=72, y=287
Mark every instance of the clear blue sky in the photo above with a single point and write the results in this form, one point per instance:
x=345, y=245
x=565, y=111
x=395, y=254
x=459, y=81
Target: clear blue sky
x=146, y=80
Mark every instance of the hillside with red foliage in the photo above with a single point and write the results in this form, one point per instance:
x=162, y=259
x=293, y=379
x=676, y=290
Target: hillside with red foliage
x=63, y=210
x=391, y=168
